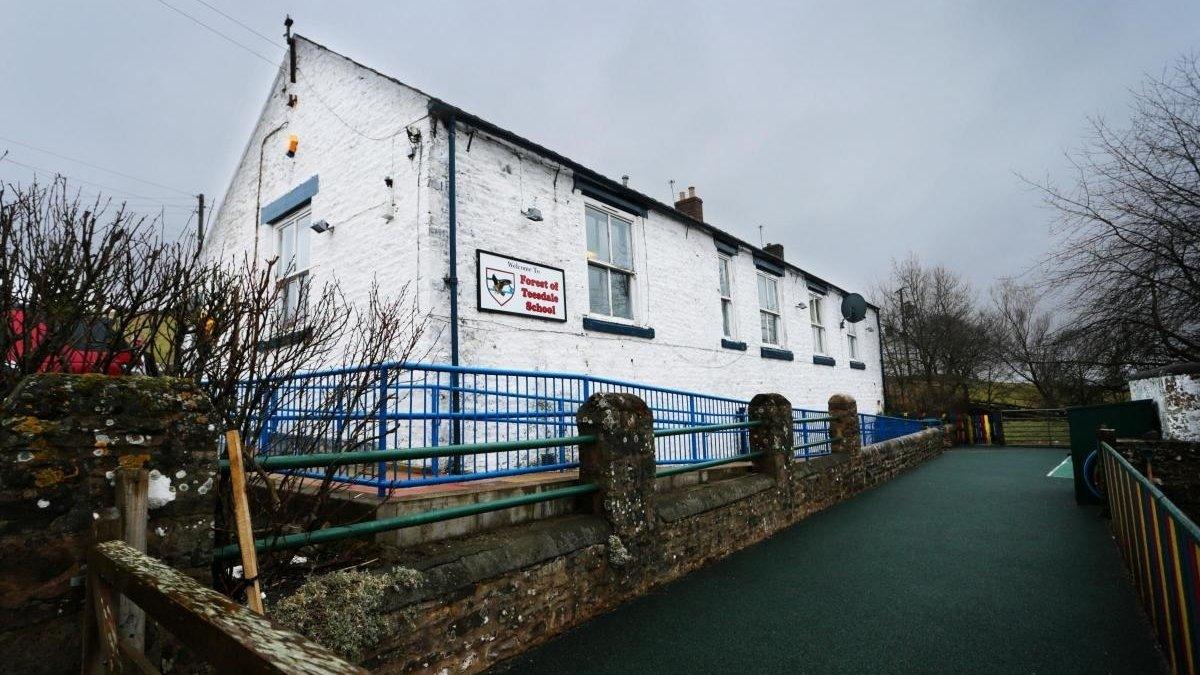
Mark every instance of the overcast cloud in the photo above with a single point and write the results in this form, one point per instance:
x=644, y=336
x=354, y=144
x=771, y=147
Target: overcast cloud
x=853, y=132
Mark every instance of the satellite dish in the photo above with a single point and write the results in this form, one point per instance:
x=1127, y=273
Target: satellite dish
x=854, y=308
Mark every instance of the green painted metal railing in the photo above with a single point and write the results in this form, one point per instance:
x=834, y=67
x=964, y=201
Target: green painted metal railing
x=327, y=459
x=700, y=466
x=340, y=532
x=707, y=428
x=289, y=541
x=813, y=444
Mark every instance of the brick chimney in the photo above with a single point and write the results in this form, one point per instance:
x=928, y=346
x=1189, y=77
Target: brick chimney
x=690, y=204
x=775, y=250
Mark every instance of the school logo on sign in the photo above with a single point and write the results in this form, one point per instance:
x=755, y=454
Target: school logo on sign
x=501, y=285
x=510, y=285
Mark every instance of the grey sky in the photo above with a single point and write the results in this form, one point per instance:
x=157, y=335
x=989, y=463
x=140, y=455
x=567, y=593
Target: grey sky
x=854, y=134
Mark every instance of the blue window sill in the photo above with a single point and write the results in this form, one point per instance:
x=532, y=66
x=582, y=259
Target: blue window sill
x=284, y=340
x=858, y=365
x=778, y=354
x=617, y=328
x=824, y=360
x=733, y=344
x=294, y=199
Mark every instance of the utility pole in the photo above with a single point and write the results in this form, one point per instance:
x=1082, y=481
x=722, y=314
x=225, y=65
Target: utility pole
x=199, y=223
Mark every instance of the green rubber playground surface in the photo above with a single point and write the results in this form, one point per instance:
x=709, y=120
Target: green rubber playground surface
x=975, y=562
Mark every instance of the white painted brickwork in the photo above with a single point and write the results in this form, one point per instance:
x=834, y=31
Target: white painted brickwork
x=676, y=264
x=1177, y=398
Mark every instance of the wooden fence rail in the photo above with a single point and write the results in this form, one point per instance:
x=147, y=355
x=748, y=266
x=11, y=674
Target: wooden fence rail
x=214, y=627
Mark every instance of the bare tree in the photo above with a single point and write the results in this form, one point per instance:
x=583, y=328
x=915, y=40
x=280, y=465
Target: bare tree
x=282, y=381
x=935, y=343
x=1041, y=348
x=1130, y=227
x=78, y=280
x=1029, y=344
x=90, y=279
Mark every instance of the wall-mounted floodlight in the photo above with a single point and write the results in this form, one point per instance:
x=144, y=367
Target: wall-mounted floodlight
x=533, y=213
x=321, y=227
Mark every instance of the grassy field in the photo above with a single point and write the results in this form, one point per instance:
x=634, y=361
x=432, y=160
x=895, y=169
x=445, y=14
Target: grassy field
x=1004, y=394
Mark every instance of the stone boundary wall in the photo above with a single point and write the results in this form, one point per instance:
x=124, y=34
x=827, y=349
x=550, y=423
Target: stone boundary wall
x=486, y=598
x=62, y=439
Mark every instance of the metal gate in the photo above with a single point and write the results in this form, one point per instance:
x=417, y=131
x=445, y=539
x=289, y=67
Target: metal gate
x=1045, y=427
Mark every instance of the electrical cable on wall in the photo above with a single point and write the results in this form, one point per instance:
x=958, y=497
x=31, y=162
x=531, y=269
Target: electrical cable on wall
x=313, y=90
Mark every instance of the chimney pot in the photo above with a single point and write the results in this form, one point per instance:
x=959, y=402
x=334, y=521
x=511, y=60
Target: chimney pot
x=690, y=204
x=625, y=180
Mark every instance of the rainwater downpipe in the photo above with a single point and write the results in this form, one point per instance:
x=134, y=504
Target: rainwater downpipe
x=452, y=282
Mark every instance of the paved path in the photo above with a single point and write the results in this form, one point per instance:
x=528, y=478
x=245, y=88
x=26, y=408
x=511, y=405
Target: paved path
x=975, y=562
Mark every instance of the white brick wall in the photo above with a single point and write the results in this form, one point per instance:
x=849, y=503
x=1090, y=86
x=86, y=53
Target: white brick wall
x=1177, y=398
x=675, y=288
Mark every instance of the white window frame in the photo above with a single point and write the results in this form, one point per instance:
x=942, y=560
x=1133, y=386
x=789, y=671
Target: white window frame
x=852, y=342
x=609, y=267
x=290, y=276
x=728, y=315
x=816, y=316
x=777, y=312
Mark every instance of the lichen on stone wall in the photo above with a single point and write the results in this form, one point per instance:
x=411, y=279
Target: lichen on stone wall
x=618, y=555
x=344, y=610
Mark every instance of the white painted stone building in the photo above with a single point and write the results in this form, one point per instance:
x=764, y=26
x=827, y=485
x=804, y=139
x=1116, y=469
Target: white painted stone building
x=1175, y=391
x=643, y=295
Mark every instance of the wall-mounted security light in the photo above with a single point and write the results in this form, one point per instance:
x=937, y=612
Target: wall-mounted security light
x=321, y=226
x=532, y=213
x=801, y=305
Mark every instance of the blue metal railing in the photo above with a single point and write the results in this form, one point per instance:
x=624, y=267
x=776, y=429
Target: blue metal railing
x=880, y=428
x=405, y=405
x=810, y=433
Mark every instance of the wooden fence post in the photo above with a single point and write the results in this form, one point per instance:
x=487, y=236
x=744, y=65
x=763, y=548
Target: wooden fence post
x=133, y=487
x=106, y=527
x=241, y=511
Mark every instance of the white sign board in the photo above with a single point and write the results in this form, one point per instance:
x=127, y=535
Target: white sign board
x=514, y=286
